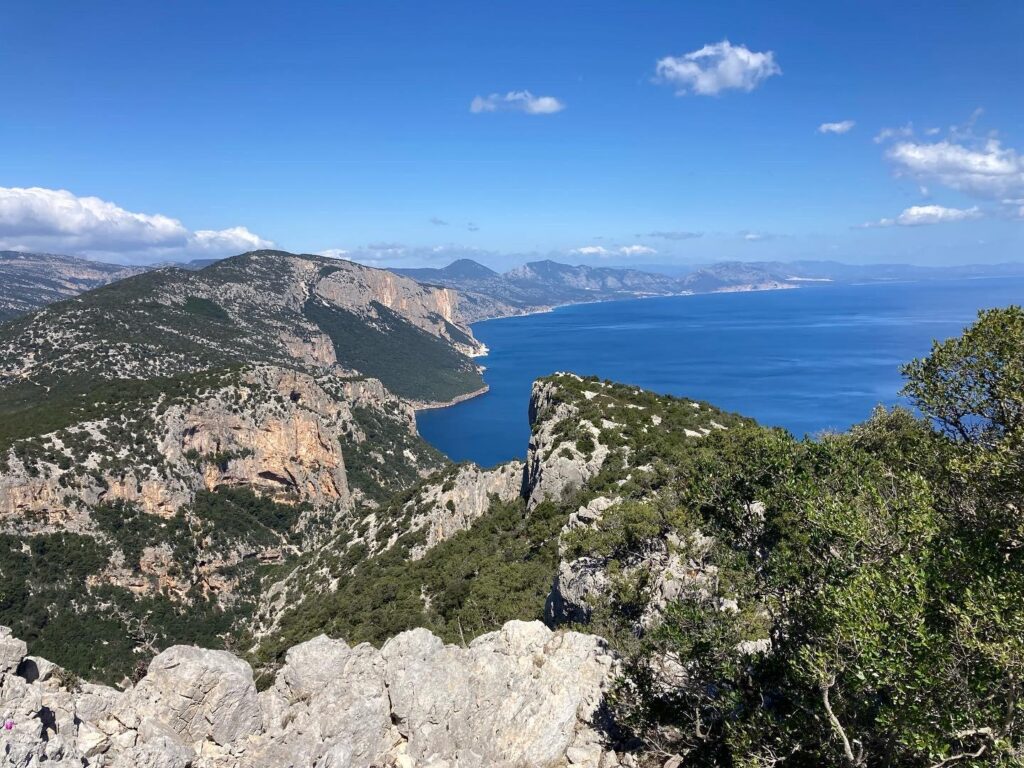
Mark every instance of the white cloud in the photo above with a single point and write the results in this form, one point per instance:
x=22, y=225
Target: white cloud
x=894, y=133
x=226, y=241
x=754, y=237
x=987, y=170
x=625, y=250
x=844, y=126
x=334, y=253
x=636, y=250
x=717, y=67
x=516, y=101
x=592, y=250
x=918, y=215
x=57, y=220
x=921, y=215
x=85, y=222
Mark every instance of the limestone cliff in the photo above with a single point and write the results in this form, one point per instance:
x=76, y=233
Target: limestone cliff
x=275, y=430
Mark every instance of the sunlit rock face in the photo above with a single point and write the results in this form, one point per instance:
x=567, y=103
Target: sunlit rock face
x=521, y=696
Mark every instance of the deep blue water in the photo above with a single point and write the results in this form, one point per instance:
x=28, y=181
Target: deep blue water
x=808, y=360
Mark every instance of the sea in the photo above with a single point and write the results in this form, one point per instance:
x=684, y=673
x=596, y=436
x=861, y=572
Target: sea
x=809, y=359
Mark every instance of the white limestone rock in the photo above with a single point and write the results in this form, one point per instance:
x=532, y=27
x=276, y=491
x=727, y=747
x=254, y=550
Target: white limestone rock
x=198, y=694
x=521, y=696
x=12, y=650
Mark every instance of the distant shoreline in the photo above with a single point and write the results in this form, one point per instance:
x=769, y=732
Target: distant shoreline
x=420, y=405
x=737, y=289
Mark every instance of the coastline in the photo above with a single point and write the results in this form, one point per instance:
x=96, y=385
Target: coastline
x=731, y=289
x=420, y=405
x=435, y=405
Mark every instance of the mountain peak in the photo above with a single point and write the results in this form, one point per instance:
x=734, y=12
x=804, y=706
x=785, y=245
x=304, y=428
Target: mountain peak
x=468, y=269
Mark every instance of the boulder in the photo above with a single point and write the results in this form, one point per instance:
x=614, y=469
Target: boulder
x=198, y=695
x=522, y=696
x=12, y=651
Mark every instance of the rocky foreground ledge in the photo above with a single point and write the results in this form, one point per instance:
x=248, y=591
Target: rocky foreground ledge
x=521, y=696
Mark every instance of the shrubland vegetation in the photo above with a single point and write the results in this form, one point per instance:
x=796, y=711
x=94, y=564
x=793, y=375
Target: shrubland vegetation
x=882, y=570
x=52, y=596
x=498, y=570
x=852, y=600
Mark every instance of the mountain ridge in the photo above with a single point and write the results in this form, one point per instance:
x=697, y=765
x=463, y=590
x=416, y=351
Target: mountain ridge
x=33, y=280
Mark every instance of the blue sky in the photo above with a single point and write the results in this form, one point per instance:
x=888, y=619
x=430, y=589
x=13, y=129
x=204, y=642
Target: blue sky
x=149, y=131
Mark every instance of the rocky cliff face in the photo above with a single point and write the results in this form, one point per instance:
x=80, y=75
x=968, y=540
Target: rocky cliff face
x=275, y=430
x=619, y=427
x=565, y=449
x=454, y=501
x=168, y=468
x=430, y=308
x=521, y=696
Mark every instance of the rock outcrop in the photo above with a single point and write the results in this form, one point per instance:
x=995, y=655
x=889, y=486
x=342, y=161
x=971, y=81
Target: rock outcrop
x=555, y=465
x=273, y=429
x=522, y=696
x=448, y=506
x=674, y=568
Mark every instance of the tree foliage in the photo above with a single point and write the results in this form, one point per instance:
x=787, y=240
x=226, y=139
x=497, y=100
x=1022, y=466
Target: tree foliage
x=881, y=569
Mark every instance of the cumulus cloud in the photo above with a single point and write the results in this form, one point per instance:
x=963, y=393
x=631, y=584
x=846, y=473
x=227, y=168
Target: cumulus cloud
x=986, y=169
x=625, y=250
x=592, y=250
x=334, y=253
x=921, y=215
x=844, y=126
x=226, y=241
x=636, y=250
x=673, y=235
x=716, y=68
x=35, y=218
x=516, y=101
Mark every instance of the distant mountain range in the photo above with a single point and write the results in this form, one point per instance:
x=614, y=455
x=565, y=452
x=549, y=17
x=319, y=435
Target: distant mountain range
x=29, y=281
x=540, y=285
x=33, y=280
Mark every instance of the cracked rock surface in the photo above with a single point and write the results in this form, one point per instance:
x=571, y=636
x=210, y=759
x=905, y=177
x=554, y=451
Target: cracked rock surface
x=521, y=696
